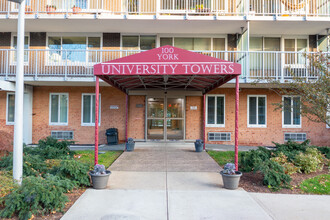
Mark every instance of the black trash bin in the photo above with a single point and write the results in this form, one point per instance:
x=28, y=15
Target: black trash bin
x=112, y=136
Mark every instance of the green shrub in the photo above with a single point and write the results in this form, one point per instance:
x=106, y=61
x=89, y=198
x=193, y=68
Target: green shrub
x=36, y=196
x=317, y=185
x=6, y=185
x=32, y=164
x=291, y=148
x=274, y=176
x=289, y=168
x=50, y=148
x=73, y=170
x=325, y=151
x=310, y=161
x=253, y=158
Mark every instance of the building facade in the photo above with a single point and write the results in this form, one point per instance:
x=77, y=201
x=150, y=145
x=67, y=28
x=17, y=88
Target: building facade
x=65, y=38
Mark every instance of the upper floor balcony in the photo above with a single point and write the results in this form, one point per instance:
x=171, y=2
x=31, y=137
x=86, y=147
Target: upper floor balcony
x=50, y=64
x=157, y=9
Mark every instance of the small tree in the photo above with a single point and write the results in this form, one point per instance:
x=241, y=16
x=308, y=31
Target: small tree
x=314, y=91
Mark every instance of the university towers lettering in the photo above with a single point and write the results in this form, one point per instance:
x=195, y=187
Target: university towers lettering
x=166, y=61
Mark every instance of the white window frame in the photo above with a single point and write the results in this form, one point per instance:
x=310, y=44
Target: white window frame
x=248, y=112
x=139, y=41
x=7, y=105
x=224, y=110
x=193, y=36
x=50, y=113
x=291, y=125
x=82, y=109
x=12, y=61
x=69, y=34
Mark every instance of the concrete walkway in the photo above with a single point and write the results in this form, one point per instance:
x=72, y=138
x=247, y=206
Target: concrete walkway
x=171, y=181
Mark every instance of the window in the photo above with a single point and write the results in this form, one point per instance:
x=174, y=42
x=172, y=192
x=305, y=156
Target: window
x=26, y=46
x=257, y=111
x=291, y=112
x=74, y=49
x=215, y=111
x=264, y=61
x=138, y=42
x=295, y=45
x=88, y=110
x=190, y=43
x=59, y=109
x=10, y=108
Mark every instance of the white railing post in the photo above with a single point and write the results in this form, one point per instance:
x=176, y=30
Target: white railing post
x=282, y=66
x=66, y=65
x=36, y=64
x=7, y=64
x=157, y=8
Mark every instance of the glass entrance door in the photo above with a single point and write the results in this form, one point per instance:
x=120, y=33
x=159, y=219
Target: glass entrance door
x=169, y=126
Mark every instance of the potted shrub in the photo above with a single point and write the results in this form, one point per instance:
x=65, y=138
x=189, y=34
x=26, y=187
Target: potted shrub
x=76, y=9
x=50, y=9
x=230, y=176
x=199, y=145
x=130, y=144
x=100, y=176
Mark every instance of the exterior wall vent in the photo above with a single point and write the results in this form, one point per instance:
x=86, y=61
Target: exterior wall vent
x=64, y=135
x=295, y=136
x=219, y=136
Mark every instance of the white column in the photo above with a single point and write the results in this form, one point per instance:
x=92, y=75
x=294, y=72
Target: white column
x=19, y=94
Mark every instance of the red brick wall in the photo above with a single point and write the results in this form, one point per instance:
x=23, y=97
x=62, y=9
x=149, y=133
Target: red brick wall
x=6, y=131
x=136, y=117
x=82, y=134
x=317, y=132
x=194, y=118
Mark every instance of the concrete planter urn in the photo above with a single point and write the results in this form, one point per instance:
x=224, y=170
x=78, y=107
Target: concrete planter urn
x=130, y=144
x=230, y=177
x=100, y=176
x=199, y=145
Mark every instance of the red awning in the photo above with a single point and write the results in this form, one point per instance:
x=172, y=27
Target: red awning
x=167, y=68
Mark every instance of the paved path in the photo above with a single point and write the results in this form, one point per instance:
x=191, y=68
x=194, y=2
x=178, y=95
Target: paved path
x=167, y=181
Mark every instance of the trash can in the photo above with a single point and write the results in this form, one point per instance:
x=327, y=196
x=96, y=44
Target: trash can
x=112, y=136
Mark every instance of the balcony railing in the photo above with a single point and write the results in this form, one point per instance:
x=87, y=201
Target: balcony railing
x=79, y=63
x=283, y=8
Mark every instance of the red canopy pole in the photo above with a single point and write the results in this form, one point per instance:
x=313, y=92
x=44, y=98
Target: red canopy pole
x=204, y=121
x=96, y=152
x=126, y=123
x=236, y=121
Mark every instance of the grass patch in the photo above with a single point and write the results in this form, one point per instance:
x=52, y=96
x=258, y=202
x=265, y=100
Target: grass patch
x=317, y=185
x=87, y=156
x=223, y=157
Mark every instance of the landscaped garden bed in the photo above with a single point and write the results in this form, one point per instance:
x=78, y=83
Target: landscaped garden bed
x=288, y=168
x=54, y=177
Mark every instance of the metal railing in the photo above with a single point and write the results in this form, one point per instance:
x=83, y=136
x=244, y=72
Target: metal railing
x=283, y=8
x=79, y=63
x=287, y=8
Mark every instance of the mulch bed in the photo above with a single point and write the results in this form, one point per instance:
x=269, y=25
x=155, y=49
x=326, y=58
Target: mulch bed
x=252, y=182
x=73, y=196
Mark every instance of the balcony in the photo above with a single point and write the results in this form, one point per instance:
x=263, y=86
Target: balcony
x=70, y=64
x=157, y=8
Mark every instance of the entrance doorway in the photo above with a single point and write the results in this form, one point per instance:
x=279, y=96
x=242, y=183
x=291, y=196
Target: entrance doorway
x=165, y=118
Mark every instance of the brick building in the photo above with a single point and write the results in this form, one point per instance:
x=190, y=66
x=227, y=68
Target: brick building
x=63, y=43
